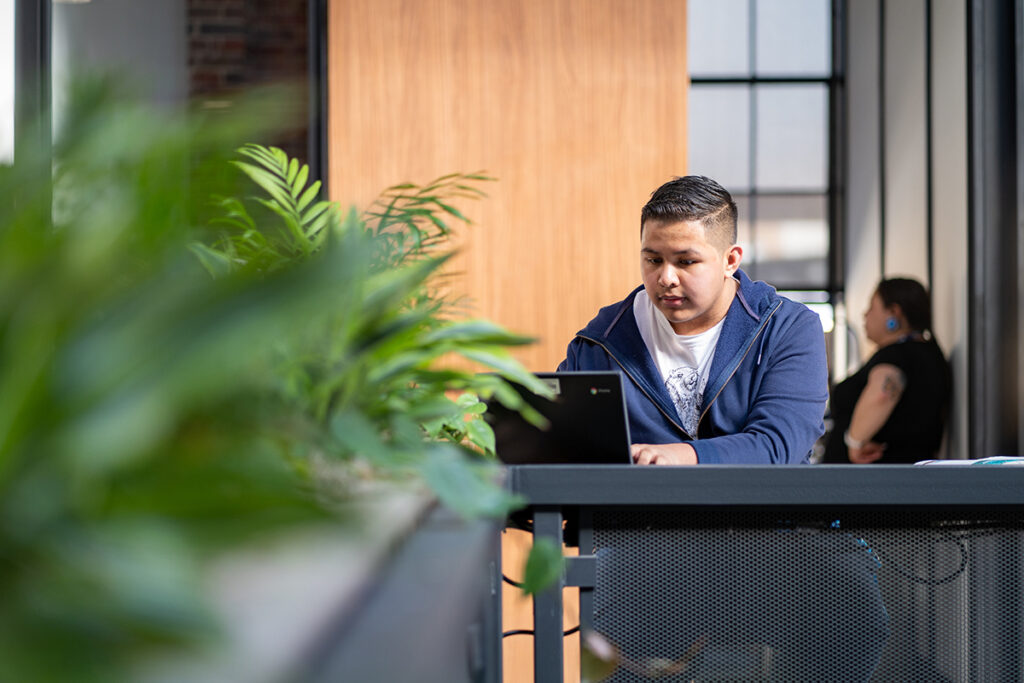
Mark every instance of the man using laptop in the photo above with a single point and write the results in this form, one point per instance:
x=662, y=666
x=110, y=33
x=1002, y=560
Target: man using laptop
x=718, y=368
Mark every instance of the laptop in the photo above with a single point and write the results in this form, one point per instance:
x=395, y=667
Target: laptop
x=588, y=422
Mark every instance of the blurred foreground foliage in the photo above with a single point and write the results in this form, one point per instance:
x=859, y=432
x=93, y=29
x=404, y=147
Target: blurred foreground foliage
x=171, y=387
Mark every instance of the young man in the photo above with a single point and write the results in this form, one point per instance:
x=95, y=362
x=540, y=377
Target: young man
x=719, y=369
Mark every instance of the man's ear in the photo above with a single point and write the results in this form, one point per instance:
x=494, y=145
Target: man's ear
x=733, y=257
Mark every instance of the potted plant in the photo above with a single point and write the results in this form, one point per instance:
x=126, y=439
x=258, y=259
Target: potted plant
x=170, y=391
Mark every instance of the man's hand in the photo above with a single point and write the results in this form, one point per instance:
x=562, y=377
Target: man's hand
x=664, y=454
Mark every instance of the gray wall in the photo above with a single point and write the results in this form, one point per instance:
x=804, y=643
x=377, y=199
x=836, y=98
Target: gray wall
x=145, y=40
x=890, y=230
x=949, y=203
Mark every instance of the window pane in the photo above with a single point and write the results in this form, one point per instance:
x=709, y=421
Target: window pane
x=794, y=37
x=744, y=236
x=818, y=301
x=6, y=81
x=171, y=52
x=790, y=239
x=792, y=134
x=144, y=42
x=717, y=37
x=719, y=136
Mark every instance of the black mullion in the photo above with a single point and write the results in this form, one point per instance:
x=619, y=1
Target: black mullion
x=932, y=606
x=752, y=137
x=759, y=80
x=881, y=135
x=317, y=75
x=792, y=192
x=929, y=175
x=975, y=400
x=32, y=62
x=836, y=150
x=1018, y=269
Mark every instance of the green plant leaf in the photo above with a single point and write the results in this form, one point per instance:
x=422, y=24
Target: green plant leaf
x=270, y=183
x=544, y=564
x=299, y=237
x=468, y=402
x=508, y=367
x=480, y=434
x=299, y=180
x=261, y=154
x=476, y=332
x=309, y=195
x=448, y=208
x=217, y=263
x=469, y=487
x=317, y=210
x=356, y=433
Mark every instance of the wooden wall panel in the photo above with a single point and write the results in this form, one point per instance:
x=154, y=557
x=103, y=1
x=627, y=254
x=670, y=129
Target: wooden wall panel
x=576, y=106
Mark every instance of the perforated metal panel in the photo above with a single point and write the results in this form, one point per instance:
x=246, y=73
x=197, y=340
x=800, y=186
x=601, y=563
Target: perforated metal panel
x=699, y=597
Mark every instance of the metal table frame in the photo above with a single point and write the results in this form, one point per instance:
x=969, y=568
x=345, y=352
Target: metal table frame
x=557, y=493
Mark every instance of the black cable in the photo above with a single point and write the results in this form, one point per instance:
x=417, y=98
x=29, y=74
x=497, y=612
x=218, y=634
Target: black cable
x=511, y=582
x=517, y=632
x=924, y=581
x=526, y=631
x=529, y=632
x=955, y=533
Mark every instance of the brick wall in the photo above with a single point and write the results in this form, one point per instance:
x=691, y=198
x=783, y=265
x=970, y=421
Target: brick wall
x=234, y=44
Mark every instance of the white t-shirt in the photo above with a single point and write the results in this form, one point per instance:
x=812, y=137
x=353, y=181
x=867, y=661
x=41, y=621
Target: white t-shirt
x=684, y=361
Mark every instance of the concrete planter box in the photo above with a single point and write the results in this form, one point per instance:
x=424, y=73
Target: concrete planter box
x=404, y=594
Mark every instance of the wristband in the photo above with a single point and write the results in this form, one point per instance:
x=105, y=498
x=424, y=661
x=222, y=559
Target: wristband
x=852, y=442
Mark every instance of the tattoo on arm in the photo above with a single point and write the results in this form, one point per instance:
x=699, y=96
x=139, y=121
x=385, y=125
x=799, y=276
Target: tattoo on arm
x=893, y=385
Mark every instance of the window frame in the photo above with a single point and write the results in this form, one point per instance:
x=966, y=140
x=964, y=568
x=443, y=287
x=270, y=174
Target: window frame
x=832, y=82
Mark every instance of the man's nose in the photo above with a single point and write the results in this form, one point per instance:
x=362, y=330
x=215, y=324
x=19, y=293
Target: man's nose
x=667, y=276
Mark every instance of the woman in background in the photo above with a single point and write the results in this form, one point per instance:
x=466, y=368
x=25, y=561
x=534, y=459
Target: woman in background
x=893, y=410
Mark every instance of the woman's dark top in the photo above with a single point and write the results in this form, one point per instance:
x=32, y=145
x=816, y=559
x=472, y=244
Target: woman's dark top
x=914, y=430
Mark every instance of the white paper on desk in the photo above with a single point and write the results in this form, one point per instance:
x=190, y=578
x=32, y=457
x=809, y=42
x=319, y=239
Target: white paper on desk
x=995, y=460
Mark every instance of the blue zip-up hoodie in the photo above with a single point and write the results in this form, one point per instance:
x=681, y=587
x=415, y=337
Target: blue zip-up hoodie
x=766, y=391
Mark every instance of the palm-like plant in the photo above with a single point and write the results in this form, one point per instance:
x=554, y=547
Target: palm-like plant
x=303, y=220
x=369, y=368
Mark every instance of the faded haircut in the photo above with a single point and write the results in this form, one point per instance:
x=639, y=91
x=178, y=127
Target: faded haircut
x=694, y=198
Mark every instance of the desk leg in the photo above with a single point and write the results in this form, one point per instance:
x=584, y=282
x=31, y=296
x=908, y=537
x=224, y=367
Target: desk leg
x=493, y=642
x=547, y=606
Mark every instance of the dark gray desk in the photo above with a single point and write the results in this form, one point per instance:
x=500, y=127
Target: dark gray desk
x=559, y=493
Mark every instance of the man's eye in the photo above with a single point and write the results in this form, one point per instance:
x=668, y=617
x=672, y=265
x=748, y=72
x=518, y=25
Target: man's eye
x=686, y=263
x=654, y=261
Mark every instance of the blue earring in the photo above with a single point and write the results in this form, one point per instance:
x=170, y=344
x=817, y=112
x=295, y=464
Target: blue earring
x=891, y=323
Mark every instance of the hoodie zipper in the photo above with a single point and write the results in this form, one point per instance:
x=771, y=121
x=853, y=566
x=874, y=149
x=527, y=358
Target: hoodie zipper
x=672, y=419
x=760, y=330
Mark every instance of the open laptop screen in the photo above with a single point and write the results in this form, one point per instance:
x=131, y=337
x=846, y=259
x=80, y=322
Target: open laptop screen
x=588, y=422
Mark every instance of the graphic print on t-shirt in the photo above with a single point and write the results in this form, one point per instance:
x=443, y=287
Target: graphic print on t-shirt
x=687, y=390
x=683, y=361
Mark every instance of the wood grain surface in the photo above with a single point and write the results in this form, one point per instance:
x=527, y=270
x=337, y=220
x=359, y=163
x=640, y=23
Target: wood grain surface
x=577, y=107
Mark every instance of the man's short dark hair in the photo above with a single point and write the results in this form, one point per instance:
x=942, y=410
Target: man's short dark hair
x=694, y=198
